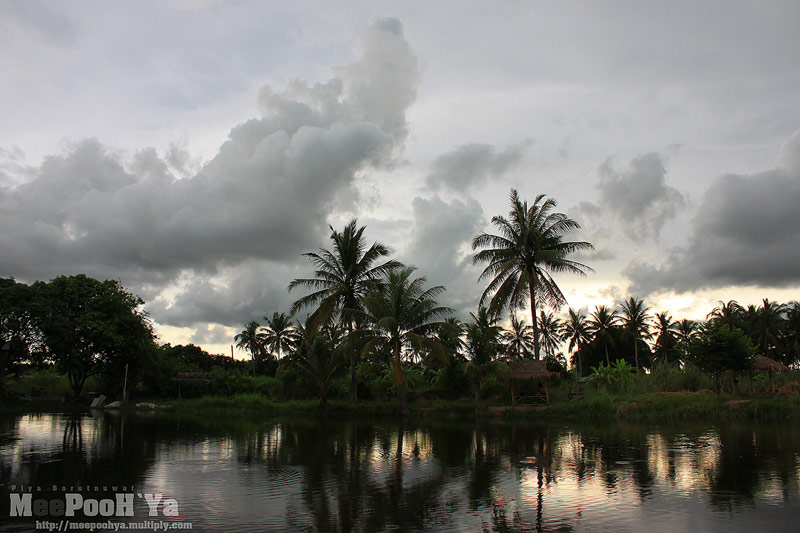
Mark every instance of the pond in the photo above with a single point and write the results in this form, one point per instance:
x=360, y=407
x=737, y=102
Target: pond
x=236, y=473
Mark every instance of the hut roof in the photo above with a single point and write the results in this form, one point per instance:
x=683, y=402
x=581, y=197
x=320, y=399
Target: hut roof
x=523, y=370
x=762, y=362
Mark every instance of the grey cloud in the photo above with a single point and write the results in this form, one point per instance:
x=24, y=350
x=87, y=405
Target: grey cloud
x=639, y=196
x=746, y=232
x=266, y=194
x=472, y=165
x=210, y=334
x=42, y=19
x=238, y=294
x=441, y=248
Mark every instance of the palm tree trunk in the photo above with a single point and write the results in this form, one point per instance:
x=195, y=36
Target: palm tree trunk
x=398, y=377
x=532, y=288
x=608, y=361
x=636, y=352
x=353, y=364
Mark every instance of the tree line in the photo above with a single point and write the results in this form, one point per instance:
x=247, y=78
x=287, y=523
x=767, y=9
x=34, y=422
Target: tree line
x=374, y=318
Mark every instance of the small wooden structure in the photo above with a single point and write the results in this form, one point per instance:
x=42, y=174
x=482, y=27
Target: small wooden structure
x=192, y=377
x=527, y=370
x=763, y=363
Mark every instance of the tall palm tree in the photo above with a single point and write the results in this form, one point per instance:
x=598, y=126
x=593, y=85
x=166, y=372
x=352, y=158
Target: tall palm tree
x=729, y=314
x=251, y=340
x=665, y=335
x=636, y=322
x=790, y=340
x=279, y=333
x=575, y=330
x=317, y=356
x=767, y=327
x=522, y=258
x=403, y=315
x=687, y=330
x=549, y=332
x=601, y=322
x=449, y=336
x=343, y=276
x=518, y=338
x=483, y=346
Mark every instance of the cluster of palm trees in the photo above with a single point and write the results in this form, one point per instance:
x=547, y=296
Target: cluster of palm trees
x=379, y=308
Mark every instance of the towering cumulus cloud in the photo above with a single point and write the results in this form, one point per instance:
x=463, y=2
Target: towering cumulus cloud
x=265, y=196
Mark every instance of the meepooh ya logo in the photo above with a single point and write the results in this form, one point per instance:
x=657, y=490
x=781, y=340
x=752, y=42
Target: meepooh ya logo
x=121, y=505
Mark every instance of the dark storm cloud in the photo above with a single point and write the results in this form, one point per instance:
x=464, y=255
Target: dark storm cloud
x=265, y=196
x=473, y=165
x=746, y=232
x=441, y=248
x=639, y=197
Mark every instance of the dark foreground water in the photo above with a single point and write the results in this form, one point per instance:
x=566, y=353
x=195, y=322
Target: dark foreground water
x=240, y=474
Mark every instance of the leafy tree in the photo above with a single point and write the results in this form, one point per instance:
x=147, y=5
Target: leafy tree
x=342, y=278
x=719, y=348
x=483, y=346
x=601, y=321
x=403, y=315
x=279, y=335
x=576, y=331
x=91, y=326
x=522, y=258
x=518, y=339
x=636, y=322
x=18, y=332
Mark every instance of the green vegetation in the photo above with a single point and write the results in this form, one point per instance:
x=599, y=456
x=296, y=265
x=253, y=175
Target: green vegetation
x=377, y=335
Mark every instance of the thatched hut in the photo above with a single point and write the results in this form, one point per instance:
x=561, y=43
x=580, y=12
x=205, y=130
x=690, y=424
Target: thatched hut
x=762, y=363
x=522, y=371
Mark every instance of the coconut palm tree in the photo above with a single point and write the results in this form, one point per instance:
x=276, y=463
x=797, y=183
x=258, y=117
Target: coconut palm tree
x=251, y=340
x=279, y=334
x=687, y=330
x=483, y=346
x=403, y=315
x=665, y=336
x=575, y=330
x=729, y=314
x=549, y=333
x=636, y=322
x=518, y=338
x=522, y=258
x=317, y=356
x=342, y=278
x=767, y=327
x=601, y=321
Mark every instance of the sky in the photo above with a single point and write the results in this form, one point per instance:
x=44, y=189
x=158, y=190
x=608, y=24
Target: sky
x=194, y=150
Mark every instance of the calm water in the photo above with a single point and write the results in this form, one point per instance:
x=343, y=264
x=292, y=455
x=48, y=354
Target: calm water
x=260, y=475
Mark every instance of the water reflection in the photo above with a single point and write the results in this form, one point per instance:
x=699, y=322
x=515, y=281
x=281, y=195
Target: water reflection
x=244, y=474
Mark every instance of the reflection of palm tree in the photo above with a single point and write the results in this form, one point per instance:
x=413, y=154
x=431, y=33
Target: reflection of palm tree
x=636, y=322
x=251, y=340
x=343, y=277
x=518, y=338
x=403, y=315
x=520, y=260
x=601, y=322
x=279, y=333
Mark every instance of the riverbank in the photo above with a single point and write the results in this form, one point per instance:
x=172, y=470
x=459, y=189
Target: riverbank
x=600, y=404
